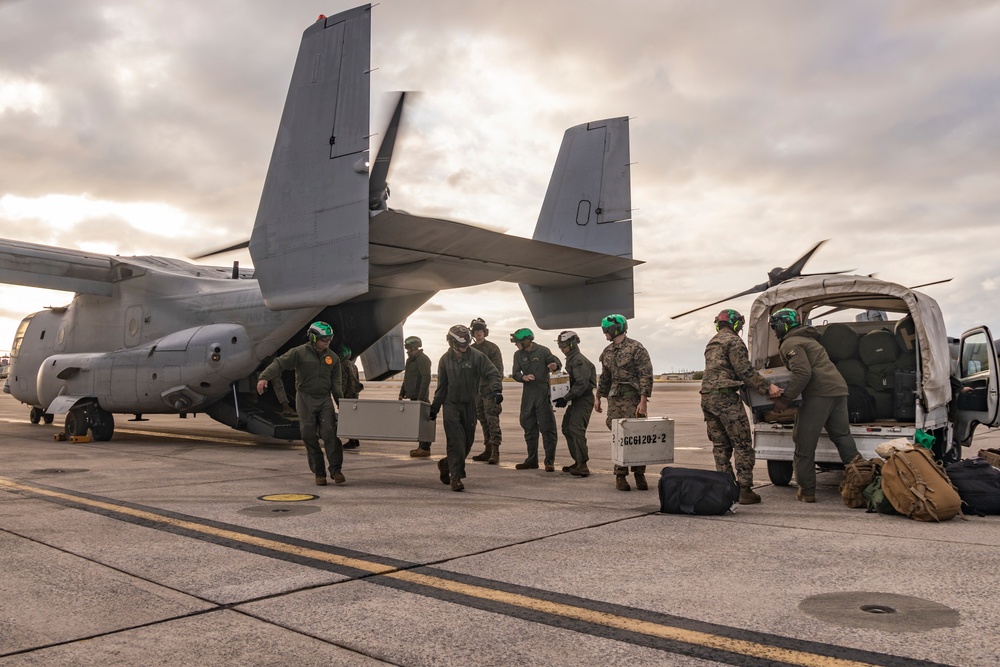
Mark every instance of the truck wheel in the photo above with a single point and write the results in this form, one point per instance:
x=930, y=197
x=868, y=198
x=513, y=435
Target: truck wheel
x=779, y=472
x=104, y=425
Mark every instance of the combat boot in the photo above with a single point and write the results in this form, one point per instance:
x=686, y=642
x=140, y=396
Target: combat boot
x=338, y=478
x=494, y=455
x=805, y=497
x=485, y=456
x=640, y=481
x=747, y=496
x=580, y=470
x=526, y=466
x=621, y=483
x=420, y=453
x=320, y=481
x=457, y=485
x=443, y=470
x=569, y=468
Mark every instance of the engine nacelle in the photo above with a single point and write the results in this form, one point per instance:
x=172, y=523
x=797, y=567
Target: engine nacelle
x=184, y=371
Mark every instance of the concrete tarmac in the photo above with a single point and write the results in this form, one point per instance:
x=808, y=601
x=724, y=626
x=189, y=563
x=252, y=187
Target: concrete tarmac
x=159, y=548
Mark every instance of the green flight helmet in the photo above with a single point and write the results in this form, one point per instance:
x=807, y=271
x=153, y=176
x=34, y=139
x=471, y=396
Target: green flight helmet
x=730, y=318
x=614, y=325
x=319, y=331
x=413, y=342
x=345, y=352
x=784, y=320
x=522, y=336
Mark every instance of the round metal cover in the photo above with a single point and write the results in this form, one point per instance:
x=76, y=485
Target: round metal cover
x=274, y=511
x=880, y=611
x=287, y=497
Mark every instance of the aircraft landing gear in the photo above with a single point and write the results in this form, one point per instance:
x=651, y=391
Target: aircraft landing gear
x=48, y=417
x=92, y=417
x=35, y=415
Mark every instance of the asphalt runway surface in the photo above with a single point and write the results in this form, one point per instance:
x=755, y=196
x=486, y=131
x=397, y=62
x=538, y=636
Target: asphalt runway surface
x=185, y=542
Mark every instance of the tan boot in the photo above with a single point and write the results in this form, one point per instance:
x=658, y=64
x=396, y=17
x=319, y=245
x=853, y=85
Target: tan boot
x=419, y=453
x=320, y=481
x=805, y=497
x=621, y=483
x=747, y=496
x=640, y=482
x=457, y=485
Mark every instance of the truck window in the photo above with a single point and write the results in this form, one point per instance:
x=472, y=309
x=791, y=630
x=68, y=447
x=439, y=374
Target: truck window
x=976, y=355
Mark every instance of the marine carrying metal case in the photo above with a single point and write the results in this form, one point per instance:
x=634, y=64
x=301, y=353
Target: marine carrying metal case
x=780, y=376
x=639, y=442
x=385, y=420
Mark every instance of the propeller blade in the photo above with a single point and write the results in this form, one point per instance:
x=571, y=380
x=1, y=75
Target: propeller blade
x=795, y=269
x=753, y=290
x=377, y=184
x=936, y=282
x=238, y=246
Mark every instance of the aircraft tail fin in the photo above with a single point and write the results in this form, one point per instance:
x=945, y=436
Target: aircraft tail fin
x=310, y=238
x=588, y=206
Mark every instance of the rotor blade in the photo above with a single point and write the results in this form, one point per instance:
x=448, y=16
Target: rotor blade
x=238, y=246
x=796, y=268
x=752, y=290
x=825, y=273
x=380, y=167
x=936, y=282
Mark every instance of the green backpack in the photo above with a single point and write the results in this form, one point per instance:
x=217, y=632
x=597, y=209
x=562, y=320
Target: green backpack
x=877, y=502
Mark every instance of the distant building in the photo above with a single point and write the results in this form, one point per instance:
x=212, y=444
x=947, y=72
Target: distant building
x=678, y=376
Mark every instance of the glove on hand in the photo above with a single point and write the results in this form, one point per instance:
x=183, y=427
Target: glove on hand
x=497, y=397
x=560, y=402
x=432, y=415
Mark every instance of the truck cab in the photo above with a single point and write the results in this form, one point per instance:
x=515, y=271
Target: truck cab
x=903, y=371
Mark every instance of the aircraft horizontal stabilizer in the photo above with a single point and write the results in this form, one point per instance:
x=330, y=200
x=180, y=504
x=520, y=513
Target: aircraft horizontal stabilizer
x=47, y=267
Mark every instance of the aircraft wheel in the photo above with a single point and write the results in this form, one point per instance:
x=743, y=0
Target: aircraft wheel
x=35, y=415
x=779, y=472
x=76, y=422
x=104, y=425
x=48, y=417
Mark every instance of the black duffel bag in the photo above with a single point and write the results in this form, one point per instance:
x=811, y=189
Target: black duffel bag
x=693, y=491
x=978, y=485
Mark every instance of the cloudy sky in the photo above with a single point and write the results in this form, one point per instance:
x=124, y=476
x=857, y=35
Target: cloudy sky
x=758, y=129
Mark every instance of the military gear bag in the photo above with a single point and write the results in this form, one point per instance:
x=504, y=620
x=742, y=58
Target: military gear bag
x=692, y=491
x=918, y=487
x=877, y=502
x=978, y=484
x=860, y=405
x=858, y=474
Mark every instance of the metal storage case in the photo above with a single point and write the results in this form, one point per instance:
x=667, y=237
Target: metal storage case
x=558, y=385
x=780, y=376
x=385, y=420
x=639, y=442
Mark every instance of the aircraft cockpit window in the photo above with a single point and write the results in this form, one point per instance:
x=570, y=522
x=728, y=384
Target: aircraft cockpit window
x=976, y=355
x=19, y=335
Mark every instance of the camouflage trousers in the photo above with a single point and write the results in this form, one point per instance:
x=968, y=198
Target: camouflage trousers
x=488, y=413
x=623, y=407
x=729, y=431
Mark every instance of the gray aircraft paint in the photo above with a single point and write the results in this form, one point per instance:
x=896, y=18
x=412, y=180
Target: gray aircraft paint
x=158, y=335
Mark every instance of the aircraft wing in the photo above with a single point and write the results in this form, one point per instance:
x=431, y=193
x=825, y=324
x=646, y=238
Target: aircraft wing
x=56, y=268
x=428, y=254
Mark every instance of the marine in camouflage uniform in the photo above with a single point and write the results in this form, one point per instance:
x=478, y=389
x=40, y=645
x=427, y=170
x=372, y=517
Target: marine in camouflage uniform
x=727, y=369
x=627, y=382
x=487, y=410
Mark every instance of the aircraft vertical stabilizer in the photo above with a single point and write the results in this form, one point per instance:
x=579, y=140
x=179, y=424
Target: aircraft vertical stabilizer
x=310, y=238
x=588, y=206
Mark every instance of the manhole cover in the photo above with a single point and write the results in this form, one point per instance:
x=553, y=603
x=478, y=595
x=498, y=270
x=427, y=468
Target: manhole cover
x=880, y=611
x=57, y=471
x=287, y=497
x=273, y=511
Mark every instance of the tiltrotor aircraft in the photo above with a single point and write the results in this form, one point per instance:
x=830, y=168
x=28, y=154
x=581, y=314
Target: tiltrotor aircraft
x=149, y=335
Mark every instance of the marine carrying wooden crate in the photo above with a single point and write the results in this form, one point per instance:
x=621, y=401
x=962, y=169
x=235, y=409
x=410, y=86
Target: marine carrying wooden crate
x=639, y=442
x=385, y=420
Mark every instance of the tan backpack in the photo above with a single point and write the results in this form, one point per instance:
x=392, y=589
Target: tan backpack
x=918, y=487
x=858, y=474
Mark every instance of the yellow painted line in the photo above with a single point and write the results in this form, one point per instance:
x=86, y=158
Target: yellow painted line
x=693, y=637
